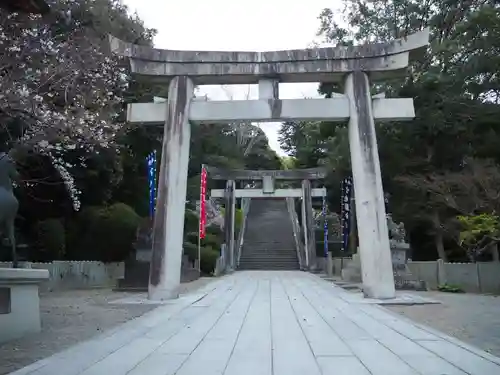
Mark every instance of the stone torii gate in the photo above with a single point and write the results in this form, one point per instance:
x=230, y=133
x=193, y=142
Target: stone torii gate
x=356, y=66
x=268, y=190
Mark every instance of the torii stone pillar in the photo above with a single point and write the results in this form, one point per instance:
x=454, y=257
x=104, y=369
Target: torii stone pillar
x=229, y=216
x=376, y=263
x=168, y=228
x=308, y=225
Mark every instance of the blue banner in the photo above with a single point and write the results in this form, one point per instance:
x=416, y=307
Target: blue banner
x=325, y=228
x=151, y=170
x=345, y=210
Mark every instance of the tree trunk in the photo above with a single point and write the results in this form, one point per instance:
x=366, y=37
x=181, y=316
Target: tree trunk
x=438, y=238
x=494, y=252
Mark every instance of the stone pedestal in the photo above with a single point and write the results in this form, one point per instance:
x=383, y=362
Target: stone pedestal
x=352, y=272
x=137, y=267
x=403, y=278
x=137, y=273
x=138, y=264
x=19, y=302
x=329, y=264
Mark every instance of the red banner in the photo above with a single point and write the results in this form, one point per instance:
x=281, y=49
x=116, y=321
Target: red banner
x=203, y=212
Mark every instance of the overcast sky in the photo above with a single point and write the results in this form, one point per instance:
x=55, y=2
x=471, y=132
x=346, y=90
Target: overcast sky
x=229, y=25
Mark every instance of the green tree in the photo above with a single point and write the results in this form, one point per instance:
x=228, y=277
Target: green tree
x=455, y=89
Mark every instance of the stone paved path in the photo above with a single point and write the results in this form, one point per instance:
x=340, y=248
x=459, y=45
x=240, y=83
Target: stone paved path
x=281, y=323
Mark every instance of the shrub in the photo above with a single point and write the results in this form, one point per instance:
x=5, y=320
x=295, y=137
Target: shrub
x=191, y=250
x=191, y=237
x=191, y=222
x=215, y=230
x=51, y=239
x=478, y=233
x=450, y=288
x=211, y=240
x=208, y=260
x=238, y=217
x=104, y=233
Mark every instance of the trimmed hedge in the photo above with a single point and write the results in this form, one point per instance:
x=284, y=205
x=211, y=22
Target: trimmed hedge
x=208, y=261
x=51, y=239
x=105, y=234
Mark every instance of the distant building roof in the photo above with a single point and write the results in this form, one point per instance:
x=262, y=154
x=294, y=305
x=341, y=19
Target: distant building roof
x=25, y=6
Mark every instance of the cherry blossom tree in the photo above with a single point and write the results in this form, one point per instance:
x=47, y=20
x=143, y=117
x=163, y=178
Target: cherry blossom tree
x=60, y=88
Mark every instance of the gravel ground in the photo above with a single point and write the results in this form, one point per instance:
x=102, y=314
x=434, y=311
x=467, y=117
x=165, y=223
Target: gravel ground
x=472, y=318
x=71, y=317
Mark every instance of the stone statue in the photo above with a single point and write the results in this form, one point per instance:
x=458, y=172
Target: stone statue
x=397, y=232
x=8, y=202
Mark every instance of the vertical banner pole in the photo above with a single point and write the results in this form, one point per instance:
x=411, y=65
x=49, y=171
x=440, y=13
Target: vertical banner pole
x=342, y=214
x=151, y=172
x=325, y=228
x=342, y=223
x=148, y=173
x=202, y=220
x=155, y=183
x=199, y=251
x=346, y=212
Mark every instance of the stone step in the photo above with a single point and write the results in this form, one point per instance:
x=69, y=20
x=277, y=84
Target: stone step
x=269, y=242
x=266, y=251
x=285, y=241
x=275, y=234
x=269, y=267
x=291, y=265
x=264, y=248
x=269, y=260
x=270, y=256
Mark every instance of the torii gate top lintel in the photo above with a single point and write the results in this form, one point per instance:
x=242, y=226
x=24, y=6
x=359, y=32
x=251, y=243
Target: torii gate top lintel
x=216, y=173
x=329, y=64
x=268, y=178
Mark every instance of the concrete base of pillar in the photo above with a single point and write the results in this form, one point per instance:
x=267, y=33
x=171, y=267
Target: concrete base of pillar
x=329, y=265
x=163, y=294
x=352, y=271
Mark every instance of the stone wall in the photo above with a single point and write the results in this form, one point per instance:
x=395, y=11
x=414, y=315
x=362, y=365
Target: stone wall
x=481, y=277
x=76, y=274
x=340, y=263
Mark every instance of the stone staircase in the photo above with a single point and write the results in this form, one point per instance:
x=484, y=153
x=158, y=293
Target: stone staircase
x=268, y=242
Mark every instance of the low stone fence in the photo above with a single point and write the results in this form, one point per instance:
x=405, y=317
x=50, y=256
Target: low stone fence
x=481, y=277
x=76, y=274
x=339, y=264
